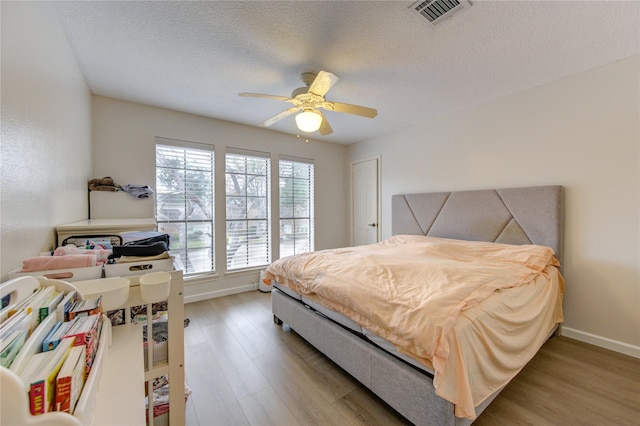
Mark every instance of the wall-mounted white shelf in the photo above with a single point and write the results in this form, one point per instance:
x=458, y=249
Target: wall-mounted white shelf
x=104, y=226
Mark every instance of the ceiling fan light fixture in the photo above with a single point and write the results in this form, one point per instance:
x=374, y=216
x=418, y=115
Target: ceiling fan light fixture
x=309, y=121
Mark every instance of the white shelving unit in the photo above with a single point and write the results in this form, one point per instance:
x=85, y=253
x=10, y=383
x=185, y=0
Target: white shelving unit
x=174, y=367
x=114, y=391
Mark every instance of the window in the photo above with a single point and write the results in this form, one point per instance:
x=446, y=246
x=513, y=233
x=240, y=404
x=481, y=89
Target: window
x=296, y=206
x=185, y=202
x=248, y=200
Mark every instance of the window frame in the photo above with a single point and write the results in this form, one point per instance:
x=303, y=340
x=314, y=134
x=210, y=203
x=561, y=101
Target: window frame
x=310, y=207
x=244, y=210
x=185, y=225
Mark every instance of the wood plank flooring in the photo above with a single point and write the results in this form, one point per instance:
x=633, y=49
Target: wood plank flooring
x=245, y=370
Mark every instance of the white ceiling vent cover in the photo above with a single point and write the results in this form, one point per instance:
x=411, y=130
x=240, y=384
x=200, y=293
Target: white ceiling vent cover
x=436, y=11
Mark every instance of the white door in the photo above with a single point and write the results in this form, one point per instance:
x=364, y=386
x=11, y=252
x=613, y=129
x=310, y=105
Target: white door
x=366, y=201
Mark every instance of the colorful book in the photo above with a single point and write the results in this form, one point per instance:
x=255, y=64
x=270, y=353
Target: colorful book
x=22, y=320
x=70, y=380
x=40, y=381
x=53, y=338
x=35, y=300
x=10, y=347
x=34, y=365
x=4, y=301
x=86, y=307
x=86, y=331
x=49, y=305
x=26, y=301
x=65, y=305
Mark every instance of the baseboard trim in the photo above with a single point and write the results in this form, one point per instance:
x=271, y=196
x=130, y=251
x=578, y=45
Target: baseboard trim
x=603, y=342
x=219, y=293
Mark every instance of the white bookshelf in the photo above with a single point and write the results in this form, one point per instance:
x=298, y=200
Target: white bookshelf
x=114, y=391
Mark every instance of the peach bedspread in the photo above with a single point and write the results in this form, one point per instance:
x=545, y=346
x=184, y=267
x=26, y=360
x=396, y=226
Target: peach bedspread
x=414, y=290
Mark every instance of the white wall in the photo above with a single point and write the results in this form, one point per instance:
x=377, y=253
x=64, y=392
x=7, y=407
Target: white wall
x=46, y=132
x=582, y=132
x=124, y=148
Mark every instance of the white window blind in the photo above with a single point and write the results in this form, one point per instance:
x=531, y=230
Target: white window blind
x=185, y=202
x=296, y=206
x=248, y=202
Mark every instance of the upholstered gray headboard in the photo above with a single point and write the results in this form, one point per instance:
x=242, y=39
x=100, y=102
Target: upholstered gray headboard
x=533, y=215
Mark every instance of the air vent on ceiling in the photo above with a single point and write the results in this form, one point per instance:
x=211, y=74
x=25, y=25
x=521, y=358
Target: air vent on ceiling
x=436, y=11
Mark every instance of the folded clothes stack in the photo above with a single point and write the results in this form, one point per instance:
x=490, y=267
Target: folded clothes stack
x=103, y=184
x=102, y=255
x=138, y=191
x=48, y=263
x=107, y=184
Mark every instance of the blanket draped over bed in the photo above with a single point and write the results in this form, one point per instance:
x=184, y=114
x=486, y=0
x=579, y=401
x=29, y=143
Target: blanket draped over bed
x=413, y=290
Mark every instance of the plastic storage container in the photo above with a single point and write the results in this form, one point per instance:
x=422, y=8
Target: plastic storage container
x=137, y=268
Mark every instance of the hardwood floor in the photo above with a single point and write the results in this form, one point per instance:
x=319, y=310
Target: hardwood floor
x=245, y=370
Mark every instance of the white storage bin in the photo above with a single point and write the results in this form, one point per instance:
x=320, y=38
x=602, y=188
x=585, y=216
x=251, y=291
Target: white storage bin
x=114, y=291
x=137, y=268
x=155, y=286
x=71, y=274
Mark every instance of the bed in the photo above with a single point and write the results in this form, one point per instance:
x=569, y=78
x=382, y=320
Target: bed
x=442, y=372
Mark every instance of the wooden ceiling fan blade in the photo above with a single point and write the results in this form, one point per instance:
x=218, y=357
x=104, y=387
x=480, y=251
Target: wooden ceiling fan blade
x=325, y=129
x=260, y=95
x=322, y=83
x=279, y=117
x=350, y=109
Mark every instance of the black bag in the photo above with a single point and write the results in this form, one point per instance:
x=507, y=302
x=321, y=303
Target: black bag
x=155, y=237
x=149, y=249
x=151, y=246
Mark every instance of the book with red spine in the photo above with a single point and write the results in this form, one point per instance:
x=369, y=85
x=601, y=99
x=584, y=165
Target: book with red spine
x=70, y=380
x=39, y=377
x=86, y=331
x=86, y=307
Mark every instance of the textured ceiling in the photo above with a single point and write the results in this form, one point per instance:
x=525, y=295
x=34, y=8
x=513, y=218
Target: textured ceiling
x=197, y=56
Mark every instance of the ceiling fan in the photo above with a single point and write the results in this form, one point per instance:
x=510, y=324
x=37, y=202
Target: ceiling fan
x=310, y=99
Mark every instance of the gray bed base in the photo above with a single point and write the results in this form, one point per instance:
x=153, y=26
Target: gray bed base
x=515, y=216
x=409, y=391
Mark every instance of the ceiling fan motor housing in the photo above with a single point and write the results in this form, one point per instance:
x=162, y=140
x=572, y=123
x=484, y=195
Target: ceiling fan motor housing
x=308, y=77
x=299, y=91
